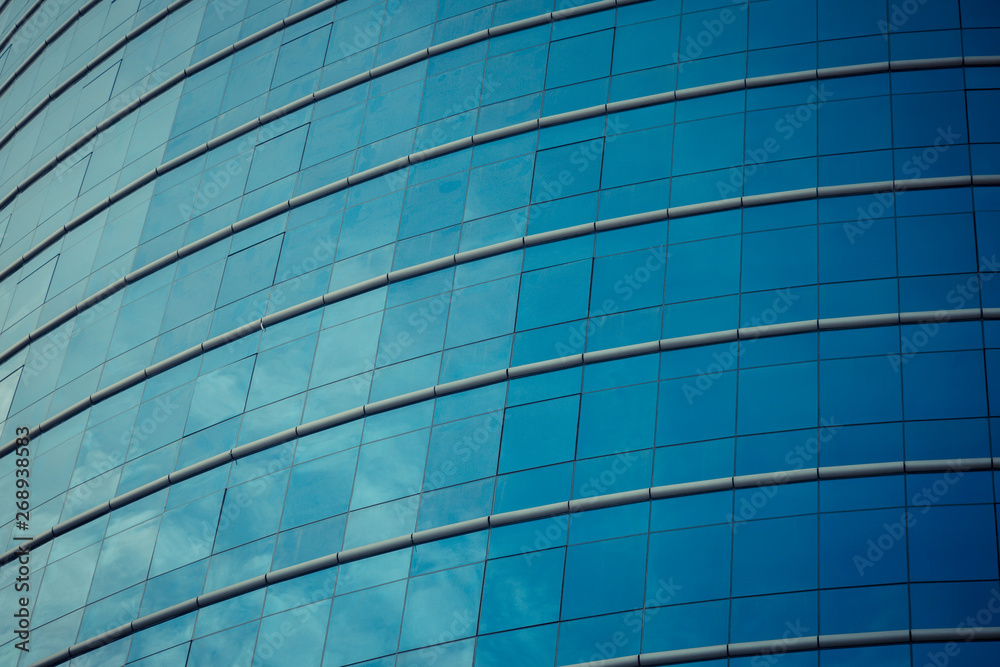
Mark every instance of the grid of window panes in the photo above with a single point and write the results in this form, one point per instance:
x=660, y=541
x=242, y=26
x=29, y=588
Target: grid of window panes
x=828, y=557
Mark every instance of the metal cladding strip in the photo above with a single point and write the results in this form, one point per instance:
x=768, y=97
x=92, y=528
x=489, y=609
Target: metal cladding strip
x=381, y=70
x=689, y=93
x=776, y=647
x=463, y=258
x=407, y=540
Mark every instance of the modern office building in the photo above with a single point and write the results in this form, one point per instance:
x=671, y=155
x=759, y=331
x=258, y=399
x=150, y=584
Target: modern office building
x=471, y=333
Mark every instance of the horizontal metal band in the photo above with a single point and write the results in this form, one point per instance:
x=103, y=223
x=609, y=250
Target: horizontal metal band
x=622, y=498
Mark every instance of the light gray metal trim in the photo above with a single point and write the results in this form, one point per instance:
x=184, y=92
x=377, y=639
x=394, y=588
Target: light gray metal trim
x=961, y=315
x=376, y=549
x=858, y=321
x=231, y=591
x=711, y=89
x=451, y=530
x=547, y=366
x=421, y=269
x=766, y=647
x=529, y=514
x=786, y=78
x=633, y=220
x=704, y=208
x=984, y=180
x=564, y=508
x=852, y=70
x=572, y=116
x=401, y=401
x=850, y=471
x=624, y=661
x=521, y=24
x=624, y=352
x=904, y=184
x=691, y=488
x=927, y=635
x=458, y=42
x=93, y=513
x=954, y=465
x=161, y=616
x=468, y=384
x=937, y=63
x=467, y=256
x=698, y=340
x=543, y=238
x=699, y=654
x=857, y=639
x=785, y=197
x=597, y=502
x=572, y=12
x=775, y=478
x=786, y=329
x=505, y=132
x=641, y=102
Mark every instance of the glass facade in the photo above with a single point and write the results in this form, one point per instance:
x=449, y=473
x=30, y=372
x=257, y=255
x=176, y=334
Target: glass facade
x=474, y=333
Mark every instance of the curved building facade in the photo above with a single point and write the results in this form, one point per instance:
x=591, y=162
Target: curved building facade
x=472, y=333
